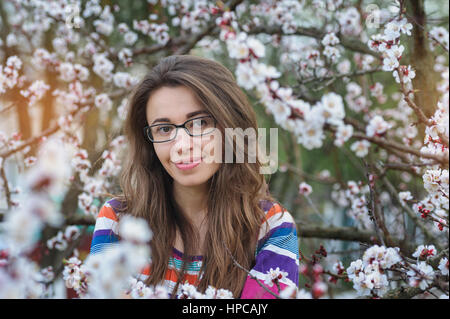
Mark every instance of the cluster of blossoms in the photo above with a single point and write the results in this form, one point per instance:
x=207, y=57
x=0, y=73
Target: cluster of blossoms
x=369, y=274
x=355, y=99
x=121, y=261
x=190, y=15
x=157, y=32
x=314, y=271
x=35, y=91
x=189, y=291
x=401, y=116
x=75, y=275
x=105, y=22
x=377, y=91
x=354, y=197
x=439, y=123
x=70, y=72
x=388, y=44
x=103, y=66
x=330, y=42
x=138, y=290
x=304, y=120
x=74, y=99
x=46, y=176
x=63, y=239
x=11, y=143
x=436, y=204
x=281, y=14
x=97, y=184
x=435, y=179
x=21, y=277
x=9, y=74
x=124, y=80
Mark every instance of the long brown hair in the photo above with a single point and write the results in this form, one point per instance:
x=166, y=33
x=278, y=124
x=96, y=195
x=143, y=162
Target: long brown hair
x=234, y=215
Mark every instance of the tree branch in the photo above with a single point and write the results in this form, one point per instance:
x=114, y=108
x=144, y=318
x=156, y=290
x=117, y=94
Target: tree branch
x=349, y=43
x=349, y=234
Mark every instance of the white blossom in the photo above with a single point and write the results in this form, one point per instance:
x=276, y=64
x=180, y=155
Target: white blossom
x=425, y=251
x=422, y=275
x=274, y=275
x=304, y=189
x=443, y=266
x=361, y=148
x=377, y=126
x=134, y=229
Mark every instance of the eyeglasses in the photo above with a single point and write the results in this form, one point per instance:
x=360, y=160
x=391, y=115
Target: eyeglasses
x=160, y=133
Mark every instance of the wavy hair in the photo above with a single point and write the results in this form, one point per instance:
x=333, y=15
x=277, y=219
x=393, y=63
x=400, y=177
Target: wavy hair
x=234, y=215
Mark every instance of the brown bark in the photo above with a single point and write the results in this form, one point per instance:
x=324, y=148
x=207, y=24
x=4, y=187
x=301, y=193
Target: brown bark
x=422, y=60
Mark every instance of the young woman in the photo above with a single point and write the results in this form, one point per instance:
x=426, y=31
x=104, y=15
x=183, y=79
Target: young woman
x=214, y=222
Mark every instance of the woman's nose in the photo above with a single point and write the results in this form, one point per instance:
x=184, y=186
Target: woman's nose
x=185, y=146
x=182, y=138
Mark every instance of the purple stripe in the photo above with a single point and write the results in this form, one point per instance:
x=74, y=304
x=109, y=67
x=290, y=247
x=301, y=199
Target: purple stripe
x=270, y=233
x=181, y=255
x=267, y=259
x=116, y=205
x=104, y=232
x=265, y=204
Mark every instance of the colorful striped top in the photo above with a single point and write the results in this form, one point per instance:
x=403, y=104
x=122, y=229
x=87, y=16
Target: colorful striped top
x=277, y=247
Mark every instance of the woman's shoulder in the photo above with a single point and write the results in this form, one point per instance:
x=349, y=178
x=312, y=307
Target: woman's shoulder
x=112, y=209
x=278, y=232
x=277, y=220
x=275, y=213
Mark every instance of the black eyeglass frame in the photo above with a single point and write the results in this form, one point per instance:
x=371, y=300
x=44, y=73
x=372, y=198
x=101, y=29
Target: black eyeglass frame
x=148, y=127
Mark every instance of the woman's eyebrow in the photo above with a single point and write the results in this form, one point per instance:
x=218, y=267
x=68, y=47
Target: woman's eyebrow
x=189, y=115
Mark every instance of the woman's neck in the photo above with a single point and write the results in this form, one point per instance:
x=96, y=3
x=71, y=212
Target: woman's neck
x=192, y=200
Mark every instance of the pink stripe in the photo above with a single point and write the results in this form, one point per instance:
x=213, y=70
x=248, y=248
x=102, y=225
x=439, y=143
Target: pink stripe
x=252, y=290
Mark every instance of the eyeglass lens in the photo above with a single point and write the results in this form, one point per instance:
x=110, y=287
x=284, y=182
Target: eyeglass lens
x=195, y=127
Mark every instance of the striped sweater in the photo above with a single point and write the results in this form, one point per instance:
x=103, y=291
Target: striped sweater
x=277, y=247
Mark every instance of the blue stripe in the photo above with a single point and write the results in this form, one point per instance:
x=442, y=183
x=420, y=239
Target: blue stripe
x=102, y=239
x=285, y=229
x=288, y=243
x=101, y=247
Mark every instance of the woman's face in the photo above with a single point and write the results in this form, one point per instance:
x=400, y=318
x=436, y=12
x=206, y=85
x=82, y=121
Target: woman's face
x=184, y=157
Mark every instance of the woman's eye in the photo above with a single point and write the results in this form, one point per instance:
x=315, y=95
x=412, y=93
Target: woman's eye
x=164, y=129
x=199, y=123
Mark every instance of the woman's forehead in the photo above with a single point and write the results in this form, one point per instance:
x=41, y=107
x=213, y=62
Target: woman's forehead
x=172, y=103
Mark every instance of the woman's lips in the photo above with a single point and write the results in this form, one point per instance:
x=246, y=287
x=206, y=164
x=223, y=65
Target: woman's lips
x=187, y=165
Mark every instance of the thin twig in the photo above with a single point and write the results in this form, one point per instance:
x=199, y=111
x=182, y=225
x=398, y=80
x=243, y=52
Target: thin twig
x=250, y=274
x=371, y=206
x=6, y=186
